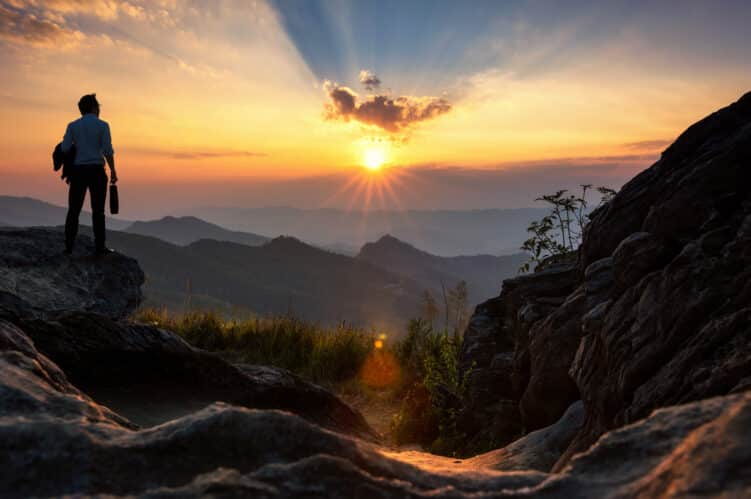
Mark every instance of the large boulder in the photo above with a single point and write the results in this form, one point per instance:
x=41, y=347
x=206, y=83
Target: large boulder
x=151, y=375
x=677, y=327
x=39, y=279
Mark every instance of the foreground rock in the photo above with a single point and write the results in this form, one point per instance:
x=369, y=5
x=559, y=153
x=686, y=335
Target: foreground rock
x=146, y=374
x=37, y=278
x=151, y=375
x=656, y=312
x=57, y=441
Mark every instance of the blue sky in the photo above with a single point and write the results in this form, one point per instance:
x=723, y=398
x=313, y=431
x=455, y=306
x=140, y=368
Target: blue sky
x=425, y=45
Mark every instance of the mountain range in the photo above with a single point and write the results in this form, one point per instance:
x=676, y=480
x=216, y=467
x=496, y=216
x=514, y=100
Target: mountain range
x=186, y=230
x=440, y=232
x=483, y=273
x=194, y=264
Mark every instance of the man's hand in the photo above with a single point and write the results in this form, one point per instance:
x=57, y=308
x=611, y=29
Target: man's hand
x=111, y=162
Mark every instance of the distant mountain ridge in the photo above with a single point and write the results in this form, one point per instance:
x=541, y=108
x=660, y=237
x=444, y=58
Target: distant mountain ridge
x=440, y=232
x=20, y=211
x=188, y=229
x=282, y=276
x=483, y=273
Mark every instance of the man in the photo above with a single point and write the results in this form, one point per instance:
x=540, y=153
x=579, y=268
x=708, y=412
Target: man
x=93, y=145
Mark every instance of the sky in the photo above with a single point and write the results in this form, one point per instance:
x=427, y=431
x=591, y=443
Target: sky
x=388, y=104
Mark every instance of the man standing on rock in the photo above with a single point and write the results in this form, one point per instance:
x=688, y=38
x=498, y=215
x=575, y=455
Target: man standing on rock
x=93, y=145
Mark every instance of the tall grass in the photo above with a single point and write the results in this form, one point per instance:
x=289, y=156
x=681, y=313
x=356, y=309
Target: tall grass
x=323, y=355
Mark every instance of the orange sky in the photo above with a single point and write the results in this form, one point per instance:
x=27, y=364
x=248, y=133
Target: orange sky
x=186, y=100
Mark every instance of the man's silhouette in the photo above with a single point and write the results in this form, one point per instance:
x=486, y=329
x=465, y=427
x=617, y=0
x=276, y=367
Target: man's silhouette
x=93, y=145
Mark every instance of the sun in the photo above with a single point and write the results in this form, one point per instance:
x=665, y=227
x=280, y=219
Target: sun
x=374, y=157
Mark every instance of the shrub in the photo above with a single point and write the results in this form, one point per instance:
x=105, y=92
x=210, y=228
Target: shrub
x=429, y=412
x=559, y=233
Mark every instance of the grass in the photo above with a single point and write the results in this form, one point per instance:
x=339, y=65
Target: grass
x=327, y=356
x=409, y=389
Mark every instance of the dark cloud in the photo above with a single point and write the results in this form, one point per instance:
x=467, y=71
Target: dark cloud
x=369, y=80
x=26, y=28
x=383, y=111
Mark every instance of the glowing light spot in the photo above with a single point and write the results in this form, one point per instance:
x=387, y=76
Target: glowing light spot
x=374, y=157
x=380, y=369
x=378, y=344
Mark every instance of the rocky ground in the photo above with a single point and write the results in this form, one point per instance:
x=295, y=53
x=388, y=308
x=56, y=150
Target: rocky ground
x=624, y=372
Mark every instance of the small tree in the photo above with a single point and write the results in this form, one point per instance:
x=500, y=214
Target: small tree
x=429, y=308
x=560, y=232
x=458, y=299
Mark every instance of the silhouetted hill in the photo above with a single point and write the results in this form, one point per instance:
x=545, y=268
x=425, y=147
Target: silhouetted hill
x=29, y=212
x=483, y=273
x=284, y=275
x=441, y=232
x=186, y=230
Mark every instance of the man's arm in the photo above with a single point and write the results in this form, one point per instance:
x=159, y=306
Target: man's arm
x=67, y=142
x=111, y=162
x=109, y=153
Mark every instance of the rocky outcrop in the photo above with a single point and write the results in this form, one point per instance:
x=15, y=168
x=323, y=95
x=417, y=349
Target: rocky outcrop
x=660, y=309
x=145, y=373
x=677, y=326
x=57, y=441
x=495, y=353
x=38, y=279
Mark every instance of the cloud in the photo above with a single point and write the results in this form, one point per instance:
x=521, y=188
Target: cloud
x=369, y=80
x=196, y=154
x=24, y=28
x=220, y=154
x=648, y=145
x=391, y=114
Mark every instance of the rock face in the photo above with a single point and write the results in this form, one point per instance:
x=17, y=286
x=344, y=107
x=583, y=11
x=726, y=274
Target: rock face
x=496, y=353
x=677, y=326
x=40, y=280
x=658, y=311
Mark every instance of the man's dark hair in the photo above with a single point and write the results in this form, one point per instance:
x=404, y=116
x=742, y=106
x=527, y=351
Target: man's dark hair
x=88, y=104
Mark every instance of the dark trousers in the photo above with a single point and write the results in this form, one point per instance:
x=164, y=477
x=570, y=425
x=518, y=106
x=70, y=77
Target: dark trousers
x=94, y=179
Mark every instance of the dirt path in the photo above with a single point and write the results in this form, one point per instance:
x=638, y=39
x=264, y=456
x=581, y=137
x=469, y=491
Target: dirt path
x=378, y=407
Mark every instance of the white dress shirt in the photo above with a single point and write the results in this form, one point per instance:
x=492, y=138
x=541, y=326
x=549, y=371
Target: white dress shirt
x=92, y=139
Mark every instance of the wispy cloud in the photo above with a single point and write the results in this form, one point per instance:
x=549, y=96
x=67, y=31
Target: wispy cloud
x=220, y=154
x=648, y=145
x=196, y=155
x=24, y=28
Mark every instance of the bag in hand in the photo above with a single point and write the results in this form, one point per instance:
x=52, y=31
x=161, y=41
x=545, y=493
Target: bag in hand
x=114, y=200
